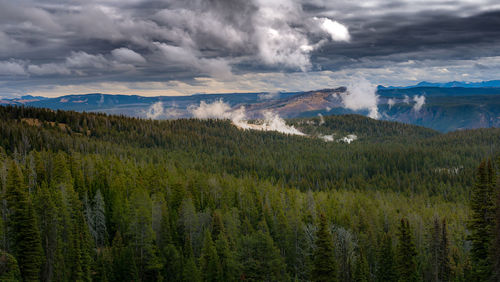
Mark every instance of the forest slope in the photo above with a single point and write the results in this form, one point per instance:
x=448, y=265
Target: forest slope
x=387, y=155
x=117, y=198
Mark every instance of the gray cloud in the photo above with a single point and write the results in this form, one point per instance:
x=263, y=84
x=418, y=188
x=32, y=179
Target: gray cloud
x=48, y=69
x=186, y=57
x=12, y=68
x=77, y=42
x=125, y=55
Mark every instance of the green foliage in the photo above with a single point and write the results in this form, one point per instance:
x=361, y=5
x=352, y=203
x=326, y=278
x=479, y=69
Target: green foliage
x=362, y=269
x=9, y=270
x=124, y=267
x=209, y=260
x=386, y=270
x=388, y=155
x=324, y=268
x=47, y=213
x=444, y=255
x=23, y=229
x=482, y=223
x=406, y=255
x=229, y=265
x=190, y=270
x=440, y=252
x=121, y=199
x=260, y=259
x=495, y=250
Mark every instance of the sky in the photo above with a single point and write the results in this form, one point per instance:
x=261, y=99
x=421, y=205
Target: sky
x=182, y=47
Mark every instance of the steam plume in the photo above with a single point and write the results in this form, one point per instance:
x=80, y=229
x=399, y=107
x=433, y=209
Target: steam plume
x=158, y=111
x=321, y=119
x=269, y=95
x=391, y=103
x=419, y=102
x=221, y=110
x=362, y=96
x=155, y=111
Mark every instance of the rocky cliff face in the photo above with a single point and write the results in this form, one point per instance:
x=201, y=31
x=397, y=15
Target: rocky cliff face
x=297, y=105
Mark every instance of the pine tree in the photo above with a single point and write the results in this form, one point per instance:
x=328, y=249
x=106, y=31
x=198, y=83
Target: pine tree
x=9, y=269
x=407, y=265
x=209, y=260
x=435, y=249
x=259, y=257
x=61, y=173
x=386, y=270
x=229, y=265
x=482, y=222
x=142, y=234
x=24, y=233
x=124, y=267
x=361, y=269
x=47, y=219
x=63, y=257
x=172, y=262
x=99, y=220
x=81, y=242
x=190, y=271
x=324, y=268
x=495, y=250
x=217, y=225
x=444, y=255
x=103, y=266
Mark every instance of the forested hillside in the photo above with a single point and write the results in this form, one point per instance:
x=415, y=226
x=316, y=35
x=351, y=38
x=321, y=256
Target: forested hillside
x=112, y=198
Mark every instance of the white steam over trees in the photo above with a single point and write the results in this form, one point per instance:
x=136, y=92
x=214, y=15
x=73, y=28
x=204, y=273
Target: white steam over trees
x=221, y=110
x=362, y=95
x=419, y=102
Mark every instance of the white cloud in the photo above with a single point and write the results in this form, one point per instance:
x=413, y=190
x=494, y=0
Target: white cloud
x=336, y=30
x=279, y=39
x=284, y=47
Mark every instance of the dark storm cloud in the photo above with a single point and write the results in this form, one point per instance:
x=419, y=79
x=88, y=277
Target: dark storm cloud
x=440, y=37
x=55, y=42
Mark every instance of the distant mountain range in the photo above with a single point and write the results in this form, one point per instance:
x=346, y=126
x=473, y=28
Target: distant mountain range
x=446, y=106
x=463, y=84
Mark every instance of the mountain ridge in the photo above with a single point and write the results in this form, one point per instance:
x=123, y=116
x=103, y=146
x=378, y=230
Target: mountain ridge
x=442, y=108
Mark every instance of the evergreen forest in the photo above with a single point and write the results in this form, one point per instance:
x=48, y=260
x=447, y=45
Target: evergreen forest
x=95, y=197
